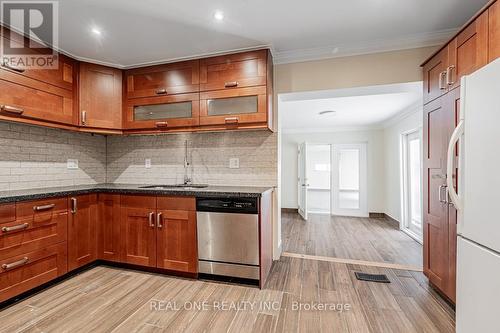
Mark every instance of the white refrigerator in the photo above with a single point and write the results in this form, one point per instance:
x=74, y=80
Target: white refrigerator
x=478, y=201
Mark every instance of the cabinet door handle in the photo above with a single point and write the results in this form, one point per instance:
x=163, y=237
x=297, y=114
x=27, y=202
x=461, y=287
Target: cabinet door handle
x=15, y=264
x=159, y=220
x=440, y=194
x=449, y=75
x=74, y=205
x=13, y=68
x=11, y=109
x=15, y=227
x=231, y=84
x=151, y=217
x=44, y=207
x=162, y=124
x=84, y=117
x=442, y=85
x=161, y=91
x=232, y=120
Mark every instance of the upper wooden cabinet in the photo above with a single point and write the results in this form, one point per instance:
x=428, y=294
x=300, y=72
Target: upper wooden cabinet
x=494, y=31
x=239, y=70
x=100, y=96
x=435, y=76
x=162, y=80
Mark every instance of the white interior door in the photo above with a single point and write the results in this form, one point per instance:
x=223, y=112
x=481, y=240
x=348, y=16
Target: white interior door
x=412, y=184
x=302, y=180
x=349, y=190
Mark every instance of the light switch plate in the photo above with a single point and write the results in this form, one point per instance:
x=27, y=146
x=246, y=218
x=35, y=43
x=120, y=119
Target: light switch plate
x=147, y=163
x=234, y=163
x=72, y=163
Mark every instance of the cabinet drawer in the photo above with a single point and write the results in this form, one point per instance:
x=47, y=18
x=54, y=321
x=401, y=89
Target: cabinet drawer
x=177, y=203
x=7, y=213
x=29, y=235
x=234, y=71
x=233, y=107
x=27, y=271
x=138, y=201
x=41, y=210
x=27, y=98
x=169, y=79
x=61, y=77
x=163, y=112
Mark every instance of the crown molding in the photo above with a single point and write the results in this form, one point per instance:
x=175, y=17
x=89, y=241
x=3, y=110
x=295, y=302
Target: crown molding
x=368, y=47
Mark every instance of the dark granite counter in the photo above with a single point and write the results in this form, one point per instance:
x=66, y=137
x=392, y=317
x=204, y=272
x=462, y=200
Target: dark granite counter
x=210, y=191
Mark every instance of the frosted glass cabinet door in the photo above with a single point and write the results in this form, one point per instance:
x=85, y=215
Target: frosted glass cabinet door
x=163, y=112
x=233, y=107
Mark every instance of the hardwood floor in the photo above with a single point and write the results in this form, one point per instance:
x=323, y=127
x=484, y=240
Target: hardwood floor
x=367, y=239
x=106, y=299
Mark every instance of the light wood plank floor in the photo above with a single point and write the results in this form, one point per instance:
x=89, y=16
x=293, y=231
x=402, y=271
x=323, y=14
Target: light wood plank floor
x=106, y=299
x=356, y=238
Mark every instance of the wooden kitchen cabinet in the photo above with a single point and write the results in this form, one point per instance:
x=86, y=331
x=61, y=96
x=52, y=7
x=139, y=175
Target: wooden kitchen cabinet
x=435, y=76
x=138, y=230
x=108, y=226
x=176, y=234
x=247, y=69
x=163, y=113
x=82, y=230
x=494, y=31
x=100, y=97
x=163, y=80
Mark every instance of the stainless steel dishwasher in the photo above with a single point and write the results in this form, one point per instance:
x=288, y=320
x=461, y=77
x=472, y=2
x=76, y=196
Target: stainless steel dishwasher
x=228, y=237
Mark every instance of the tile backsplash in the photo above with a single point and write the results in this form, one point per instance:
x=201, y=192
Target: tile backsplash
x=32, y=157
x=209, y=154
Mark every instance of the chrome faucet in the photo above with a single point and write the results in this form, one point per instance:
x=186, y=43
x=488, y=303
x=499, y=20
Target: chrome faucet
x=187, y=179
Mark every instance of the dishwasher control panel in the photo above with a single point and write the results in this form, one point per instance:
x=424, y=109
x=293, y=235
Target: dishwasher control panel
x=228, y=205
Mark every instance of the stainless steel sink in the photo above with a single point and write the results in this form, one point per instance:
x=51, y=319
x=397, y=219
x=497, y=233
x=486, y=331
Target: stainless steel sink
x=179, y=186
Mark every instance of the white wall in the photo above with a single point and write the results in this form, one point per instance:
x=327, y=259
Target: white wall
x=392, y=147
x=375, y=146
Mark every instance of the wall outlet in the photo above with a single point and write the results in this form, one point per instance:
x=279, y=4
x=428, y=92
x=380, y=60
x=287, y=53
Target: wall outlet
x=72, y=164
x=147, y=163
x=234, y=163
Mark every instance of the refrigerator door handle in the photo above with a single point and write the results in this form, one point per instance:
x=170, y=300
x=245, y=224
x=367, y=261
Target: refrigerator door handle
x=455, y=198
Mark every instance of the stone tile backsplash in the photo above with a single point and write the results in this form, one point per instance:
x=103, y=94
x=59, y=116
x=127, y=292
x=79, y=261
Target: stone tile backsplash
x=32, y=157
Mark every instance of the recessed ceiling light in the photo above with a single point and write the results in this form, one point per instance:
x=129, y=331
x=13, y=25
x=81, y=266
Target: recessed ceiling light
x=218, y=15
x=96, y=31
x=327, y=112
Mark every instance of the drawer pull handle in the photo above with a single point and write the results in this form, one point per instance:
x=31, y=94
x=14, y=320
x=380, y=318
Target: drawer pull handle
x=44, y=207
x=161, y=91
x=231, y=84
x=11, y=109
x=151, y=217
x=74, y=205
x=15, y=264
x=232, y=120
x=162, y=124
x=159, y=220
x=13, y=68
x=15, y=227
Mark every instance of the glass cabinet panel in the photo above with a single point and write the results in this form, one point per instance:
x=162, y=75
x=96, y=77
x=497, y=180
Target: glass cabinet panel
x=163, y=111
x=232, y=105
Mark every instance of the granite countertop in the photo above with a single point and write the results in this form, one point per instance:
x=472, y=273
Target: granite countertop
x=210, y=191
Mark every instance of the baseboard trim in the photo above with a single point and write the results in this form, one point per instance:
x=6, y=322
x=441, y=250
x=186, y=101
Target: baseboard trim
x=392, y=221
x=289, y=210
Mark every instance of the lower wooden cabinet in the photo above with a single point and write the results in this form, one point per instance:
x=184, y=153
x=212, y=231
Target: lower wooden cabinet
x=108, y=227
x=82, y=230
x=29, y=270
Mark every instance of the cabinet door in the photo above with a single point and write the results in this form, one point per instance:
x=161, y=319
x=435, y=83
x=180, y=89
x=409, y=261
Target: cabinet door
x=176, y=235
x=436, y=240
x=109, y=237
x=169, y=79
x=138, y=230
x=163, y=113
x=468, y=51
x=24, y=97
x=100, y=96
x=82, y=231
x=494, y=31
x=233, y=107
x=435, y=76
x=239, y=70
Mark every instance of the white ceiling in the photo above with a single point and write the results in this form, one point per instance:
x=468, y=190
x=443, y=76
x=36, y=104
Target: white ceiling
x=149, y=31
x=356, y=108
